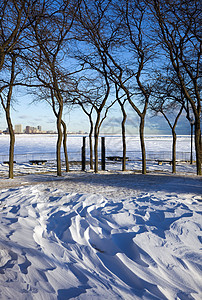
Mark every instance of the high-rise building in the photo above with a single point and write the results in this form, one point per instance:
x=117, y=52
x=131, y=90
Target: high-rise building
x=28, y=129
x=39, y=128
x=18, y=128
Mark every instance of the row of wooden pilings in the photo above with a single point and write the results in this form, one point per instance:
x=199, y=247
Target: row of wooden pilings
x=83, y=154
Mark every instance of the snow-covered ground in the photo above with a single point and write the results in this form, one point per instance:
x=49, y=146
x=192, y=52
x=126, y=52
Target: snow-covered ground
x=101, y=236
x=29, y=147
x=111, y=235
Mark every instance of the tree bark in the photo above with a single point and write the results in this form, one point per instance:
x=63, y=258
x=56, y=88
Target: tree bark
x=12, y=143
x=173, y=127
x=8, y=117
x=141, y=130
x=123, y=130
x=59, y=142
x=198, y=146
x=65, y=145
x=2, y=57
x=174, y=151
x=124, y=144
x=91, y=144
x=96, y=135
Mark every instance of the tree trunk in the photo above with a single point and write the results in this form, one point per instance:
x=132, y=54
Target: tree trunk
x=198, y=146
x=174, y=151
x=65, y=145
x=8, y=118
x=12, y=143
x=91, y=145
x=141, y=130
x=2, y=57
x=123, y=138
x=96, y=135
x=59, y=142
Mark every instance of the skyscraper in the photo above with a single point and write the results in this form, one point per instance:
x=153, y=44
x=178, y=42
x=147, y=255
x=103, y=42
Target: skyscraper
x=18, y=128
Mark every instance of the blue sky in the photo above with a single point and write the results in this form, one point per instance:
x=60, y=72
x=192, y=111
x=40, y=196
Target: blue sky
x=41, y=114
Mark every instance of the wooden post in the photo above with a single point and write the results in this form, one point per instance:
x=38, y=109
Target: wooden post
x=103, y=153
x=191, y=158
x=83, y=154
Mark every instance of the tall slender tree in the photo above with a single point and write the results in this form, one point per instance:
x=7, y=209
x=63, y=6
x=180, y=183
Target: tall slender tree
x=123, y=128
x=177, y=27
x=6, y=95
x=51, y=28
x=120, y=44
x=13, y=27
x=168, y=102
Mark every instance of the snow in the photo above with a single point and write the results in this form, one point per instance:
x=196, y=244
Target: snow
x=111, y=235
x=40, y=146
x=28, y=146
x=108, y=235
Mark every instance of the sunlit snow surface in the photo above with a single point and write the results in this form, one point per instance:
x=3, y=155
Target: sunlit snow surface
x=28, y=147
x=111, y=235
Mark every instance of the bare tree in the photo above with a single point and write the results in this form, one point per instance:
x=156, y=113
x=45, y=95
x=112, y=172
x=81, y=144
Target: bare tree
x=99, y=101
x=13, y=21
x=45, y=92
x=6, y=96
x=64, y=126
x=123, y=49
x=123, y=129
x=96, y=96
x=99, y=107
x=13, y=25
x=84, y=97
x=169, y=102
x=173, y=127
x=177, y=24
x=51, y=24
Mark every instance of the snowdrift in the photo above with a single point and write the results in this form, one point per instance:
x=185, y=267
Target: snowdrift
x=101, y=236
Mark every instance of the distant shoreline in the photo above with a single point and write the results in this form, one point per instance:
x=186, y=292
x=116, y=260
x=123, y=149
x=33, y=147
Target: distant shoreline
x=101, y=134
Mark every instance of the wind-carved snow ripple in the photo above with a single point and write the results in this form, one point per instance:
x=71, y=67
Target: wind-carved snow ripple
x=19, y=274
x=69, y=246
x=113, y=242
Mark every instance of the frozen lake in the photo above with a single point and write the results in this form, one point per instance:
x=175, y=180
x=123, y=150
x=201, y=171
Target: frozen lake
x=28, y=146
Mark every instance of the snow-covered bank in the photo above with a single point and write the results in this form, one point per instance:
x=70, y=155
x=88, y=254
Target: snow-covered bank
x=134, y=166
x=101, y=236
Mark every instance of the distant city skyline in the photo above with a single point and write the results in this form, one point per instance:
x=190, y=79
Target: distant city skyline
x=41, y=114
x=18, y=129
